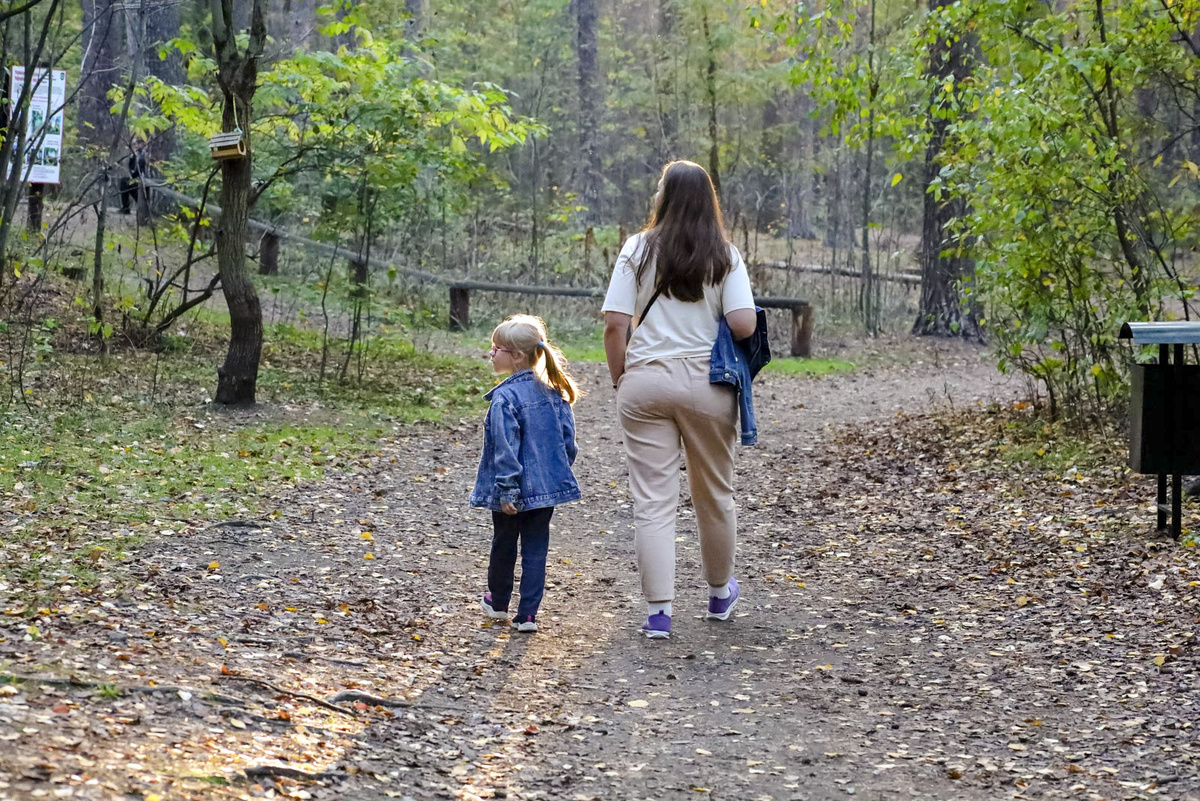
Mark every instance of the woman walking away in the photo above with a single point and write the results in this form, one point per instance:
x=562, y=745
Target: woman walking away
x=525, y=470
x=678, y=277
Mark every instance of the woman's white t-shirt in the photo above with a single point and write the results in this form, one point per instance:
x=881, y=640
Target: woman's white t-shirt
x=674, y=329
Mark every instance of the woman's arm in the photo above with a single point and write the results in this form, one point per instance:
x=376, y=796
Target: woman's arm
x=742, y=322
x=616, y=329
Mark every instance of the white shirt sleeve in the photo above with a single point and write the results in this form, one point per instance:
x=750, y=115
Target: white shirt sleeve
x=736, y=293
x=622, y=289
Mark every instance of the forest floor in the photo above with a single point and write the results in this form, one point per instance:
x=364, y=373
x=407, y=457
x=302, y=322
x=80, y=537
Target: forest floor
x=941, y=599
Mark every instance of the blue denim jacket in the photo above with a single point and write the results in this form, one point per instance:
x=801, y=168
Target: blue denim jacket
x=528, y=447
x=728, y=365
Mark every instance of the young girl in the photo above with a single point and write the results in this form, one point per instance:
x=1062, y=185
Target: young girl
x=525, y=470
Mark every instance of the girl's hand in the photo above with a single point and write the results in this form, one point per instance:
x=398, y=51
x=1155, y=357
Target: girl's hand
x=508, y=508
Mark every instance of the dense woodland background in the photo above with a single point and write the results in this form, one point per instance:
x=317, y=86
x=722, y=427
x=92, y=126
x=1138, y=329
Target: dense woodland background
x=1019, y=173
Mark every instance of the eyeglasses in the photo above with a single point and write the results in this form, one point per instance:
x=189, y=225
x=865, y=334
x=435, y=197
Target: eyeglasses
x=492, y=353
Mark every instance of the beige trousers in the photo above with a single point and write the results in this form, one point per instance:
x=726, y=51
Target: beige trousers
x=669, y=409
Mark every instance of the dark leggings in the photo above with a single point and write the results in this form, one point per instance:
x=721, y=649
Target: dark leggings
x=532, y=528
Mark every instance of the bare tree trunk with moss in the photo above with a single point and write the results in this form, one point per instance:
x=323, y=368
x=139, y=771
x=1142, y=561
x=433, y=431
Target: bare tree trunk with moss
x=237, y=379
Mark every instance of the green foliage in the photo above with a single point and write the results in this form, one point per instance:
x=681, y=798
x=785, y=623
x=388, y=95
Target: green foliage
x=1081, y=203
x=1074, y=230
x=363, y=113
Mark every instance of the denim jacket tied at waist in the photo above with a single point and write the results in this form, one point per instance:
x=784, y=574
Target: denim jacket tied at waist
x=728, y=365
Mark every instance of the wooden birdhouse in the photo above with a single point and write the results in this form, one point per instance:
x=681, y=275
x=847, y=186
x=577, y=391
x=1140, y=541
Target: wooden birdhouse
x=228, y=145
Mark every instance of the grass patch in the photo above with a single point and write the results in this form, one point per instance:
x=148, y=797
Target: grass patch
x=101, y=455
x=1026, y=440
x=585, y=346
x=809, y=367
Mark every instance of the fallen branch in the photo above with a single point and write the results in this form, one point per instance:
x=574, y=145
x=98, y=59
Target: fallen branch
x=306, y=657
x=238, y=524
x=293, y=693
x=366, y=698
x=375, y=700
x=144, y=689
x=280, y=772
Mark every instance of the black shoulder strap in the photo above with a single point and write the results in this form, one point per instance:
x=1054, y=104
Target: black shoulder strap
x=654, y=297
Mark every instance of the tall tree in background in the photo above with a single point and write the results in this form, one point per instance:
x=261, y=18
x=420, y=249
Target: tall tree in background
x=237, y=74
x=590, y=108
x=293, y=23
x=101, y=43
x=868, y=290
x=945, y=267
x=162, y=24
x=710, y=89
x=668, y=112
x=770, y=170
x=415, y=24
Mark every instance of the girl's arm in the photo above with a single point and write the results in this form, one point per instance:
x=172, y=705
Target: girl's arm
x=616, y=329
x=505, y=432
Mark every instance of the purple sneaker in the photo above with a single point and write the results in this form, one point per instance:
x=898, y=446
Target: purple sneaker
x=526, y=624
x=489, y=608
x=657, y=626
x=722, y=608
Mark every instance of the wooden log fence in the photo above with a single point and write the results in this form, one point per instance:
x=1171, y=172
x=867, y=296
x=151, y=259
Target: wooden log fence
x=460, y=290
x=909, y=279
x=460, y=307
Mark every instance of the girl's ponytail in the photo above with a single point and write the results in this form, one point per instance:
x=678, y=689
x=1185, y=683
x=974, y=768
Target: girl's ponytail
x=526, y=334
x=556, y=373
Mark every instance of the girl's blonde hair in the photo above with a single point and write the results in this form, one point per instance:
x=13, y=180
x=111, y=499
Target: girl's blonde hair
x=526, y=334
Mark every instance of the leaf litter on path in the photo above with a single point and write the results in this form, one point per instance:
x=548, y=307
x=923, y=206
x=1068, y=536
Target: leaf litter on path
x=920, y=619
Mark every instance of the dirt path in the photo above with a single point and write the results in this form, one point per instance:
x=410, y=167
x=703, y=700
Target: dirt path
x=888, y=644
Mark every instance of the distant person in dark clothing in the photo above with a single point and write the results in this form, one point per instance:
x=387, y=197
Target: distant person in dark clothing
x=137, y=169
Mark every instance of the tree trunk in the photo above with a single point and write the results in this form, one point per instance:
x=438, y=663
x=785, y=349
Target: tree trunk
x=162, y=25
x=710, y=88
x=415, y=24
x=667, y=122
x=101, y=40
x=589, y=179
x=242, y=13
x=237, y=378
x=806, y=186
x=867, y=303
x=293, y=23
x=944, y=267
x=770, y=200
x=834, y=231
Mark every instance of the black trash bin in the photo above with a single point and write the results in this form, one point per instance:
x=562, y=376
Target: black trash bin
x=1164, y=413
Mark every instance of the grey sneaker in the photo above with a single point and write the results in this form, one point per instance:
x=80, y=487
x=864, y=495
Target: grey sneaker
x=657, y=626
x=525, y=625
x=722, y=608
x=490, y=610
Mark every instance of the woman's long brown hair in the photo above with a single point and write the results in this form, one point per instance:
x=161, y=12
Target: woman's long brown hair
x=685, y=237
